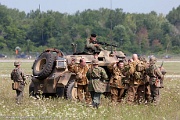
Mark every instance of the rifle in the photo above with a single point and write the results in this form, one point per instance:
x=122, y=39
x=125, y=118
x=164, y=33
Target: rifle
x=163, y=73
x=161, y=65
x=104, y=43
x=28, y=76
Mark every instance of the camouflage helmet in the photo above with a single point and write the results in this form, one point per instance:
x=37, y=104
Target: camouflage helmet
x=95, y=61
x=16, y=63
x=141, y=58
x=152, y=60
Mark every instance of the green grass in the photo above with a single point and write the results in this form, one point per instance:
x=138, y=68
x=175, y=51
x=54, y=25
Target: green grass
x=173, y=68
x=168, y=109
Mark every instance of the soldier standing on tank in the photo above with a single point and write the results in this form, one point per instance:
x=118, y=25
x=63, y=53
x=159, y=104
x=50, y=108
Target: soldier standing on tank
x=18, y=76
x=155, y=75
x=92, y=47
x=82, y=82
x=95, y=76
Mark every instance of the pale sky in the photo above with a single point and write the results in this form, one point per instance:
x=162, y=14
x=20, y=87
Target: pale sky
x=71, y=6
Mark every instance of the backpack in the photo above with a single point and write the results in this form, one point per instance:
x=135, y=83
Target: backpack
x=140, y=67
x=16, y=75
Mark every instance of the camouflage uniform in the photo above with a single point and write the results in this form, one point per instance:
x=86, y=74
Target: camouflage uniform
x=82, y=81
x=155, y=75
x=96, y=75
x=136, y=82
x=116, y=84
x=143, y=91
x=17, y=75
x=91, y=48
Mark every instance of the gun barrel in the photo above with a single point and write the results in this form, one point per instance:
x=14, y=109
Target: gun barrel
x=104, y=43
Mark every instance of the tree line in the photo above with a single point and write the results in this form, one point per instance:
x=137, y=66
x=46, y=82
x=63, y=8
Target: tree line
x=132, y=32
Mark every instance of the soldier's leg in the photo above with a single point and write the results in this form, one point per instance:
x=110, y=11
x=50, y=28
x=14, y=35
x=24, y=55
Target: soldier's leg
x=96, y=99
x=21, y=96
x=87, y=95
x=114, y=94
x=120, y=94
x=131, y=94
x=17, y=96
x=147, y=93
x=141, y=94
x=92, y=96
x=156, y=95
x=80, y=92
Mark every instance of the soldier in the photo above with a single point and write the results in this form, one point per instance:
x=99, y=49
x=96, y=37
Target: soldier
x=81, y=79
x=96, y=75
x=136, y=79
x=155, y=75
x=18, y=76
x=91, y=46
x=116, y=83
x=143, y=91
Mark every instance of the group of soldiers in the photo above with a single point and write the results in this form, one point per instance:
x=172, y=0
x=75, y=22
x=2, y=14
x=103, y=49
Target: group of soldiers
x=136, y=80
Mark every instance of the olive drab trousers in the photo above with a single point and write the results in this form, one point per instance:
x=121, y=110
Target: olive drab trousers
x=82, y=91
x=19, y=94
x=154, y=94
x=95, y=98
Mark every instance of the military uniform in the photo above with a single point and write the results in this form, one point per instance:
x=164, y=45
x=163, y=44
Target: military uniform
x=18, y=76
x=155, y=75
x=90, y=48
x=136, y=82
x=143, y=91
x=116, y=84
x=95, y=76
x=82, y=81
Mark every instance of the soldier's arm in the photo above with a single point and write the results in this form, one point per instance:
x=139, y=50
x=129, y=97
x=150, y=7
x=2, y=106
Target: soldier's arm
x=111, y=67
x=70, y=67
x=115, y=72
x=103, y=74
x=88, y=74
x=88, y=44
x=23, y=75
x=12, y=75
x=131, y=68
x=158, y=73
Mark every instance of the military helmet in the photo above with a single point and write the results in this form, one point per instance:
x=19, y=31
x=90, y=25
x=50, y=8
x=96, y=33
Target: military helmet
x=141, y=58
x=152, y=59
x=16, y=63
x=95, y=61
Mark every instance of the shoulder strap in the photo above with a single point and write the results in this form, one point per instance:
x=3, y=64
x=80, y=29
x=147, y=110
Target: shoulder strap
x=96, y=73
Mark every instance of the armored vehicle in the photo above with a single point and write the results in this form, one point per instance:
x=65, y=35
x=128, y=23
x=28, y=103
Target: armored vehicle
x=51, y=75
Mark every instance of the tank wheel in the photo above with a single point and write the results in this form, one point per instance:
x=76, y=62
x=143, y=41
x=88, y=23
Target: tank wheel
x=43, y=65
x=71, y=91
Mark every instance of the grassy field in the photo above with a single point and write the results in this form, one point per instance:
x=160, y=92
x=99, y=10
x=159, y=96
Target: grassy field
x=168, y=109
